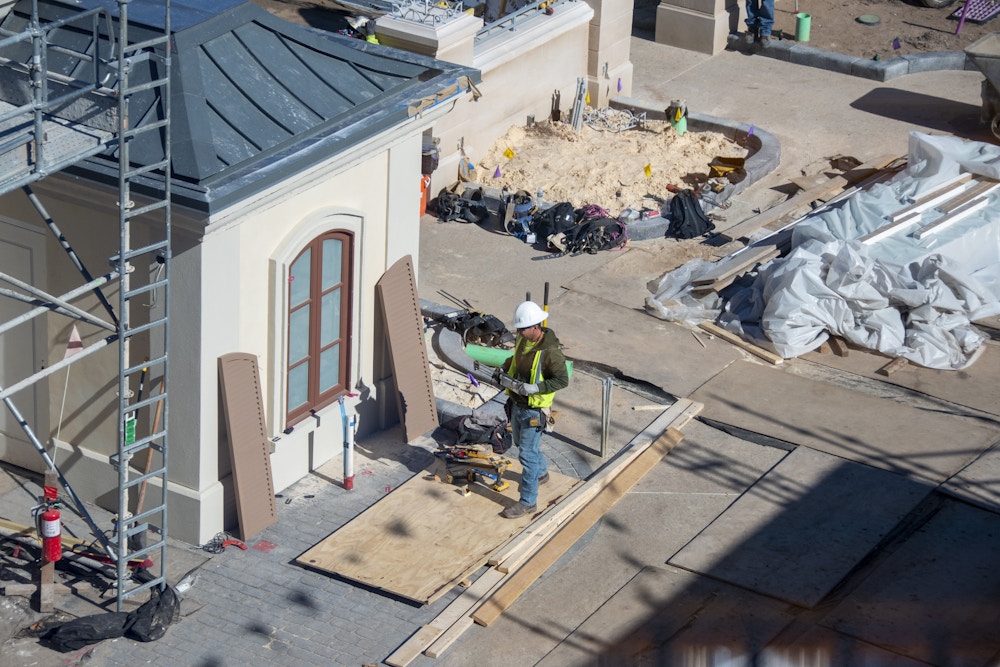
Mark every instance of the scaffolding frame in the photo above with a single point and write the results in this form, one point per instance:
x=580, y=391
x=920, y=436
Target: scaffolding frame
x=45, y=132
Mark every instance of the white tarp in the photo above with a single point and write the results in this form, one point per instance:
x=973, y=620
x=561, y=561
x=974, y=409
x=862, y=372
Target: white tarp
x=900, y=295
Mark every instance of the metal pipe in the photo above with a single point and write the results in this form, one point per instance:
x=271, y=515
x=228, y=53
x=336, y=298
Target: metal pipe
x=77, y=503
x=606, y=386
x=56, y=367
x=33, y=198
x=75, y=311
x=72, y=294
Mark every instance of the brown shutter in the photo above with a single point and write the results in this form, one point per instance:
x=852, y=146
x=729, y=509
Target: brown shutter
x=243, y=405
x=396, y=291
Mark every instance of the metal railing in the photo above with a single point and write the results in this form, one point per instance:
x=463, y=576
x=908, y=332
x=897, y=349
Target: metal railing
x=512, y=21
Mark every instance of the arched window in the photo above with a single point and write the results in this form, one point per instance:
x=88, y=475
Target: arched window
x=319, y=324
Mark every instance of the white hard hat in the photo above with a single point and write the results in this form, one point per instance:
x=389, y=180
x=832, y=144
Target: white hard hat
x=528, y=314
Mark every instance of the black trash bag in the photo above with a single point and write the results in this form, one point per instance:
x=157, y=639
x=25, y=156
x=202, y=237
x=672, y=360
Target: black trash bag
x=155, y=615
x=687, y=218
x=80, y=632
x=147, y=623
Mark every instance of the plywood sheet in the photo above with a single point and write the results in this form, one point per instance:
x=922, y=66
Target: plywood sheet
x=931, y=444
x=243, y=406
x=397, y=295
x=419, y=541
x=827, y=647
x=979, y=482
x=665, y=616
x=974, y=387
x=799, y=530
x=935, y=598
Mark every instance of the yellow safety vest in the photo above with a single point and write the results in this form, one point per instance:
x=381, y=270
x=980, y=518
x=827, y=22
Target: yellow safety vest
x=538, y=400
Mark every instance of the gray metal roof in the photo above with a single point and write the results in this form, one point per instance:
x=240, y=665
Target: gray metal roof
x=256, y=99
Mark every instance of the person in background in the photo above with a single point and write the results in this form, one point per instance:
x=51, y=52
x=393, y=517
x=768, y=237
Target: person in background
x=760, y=20
x=532, y=376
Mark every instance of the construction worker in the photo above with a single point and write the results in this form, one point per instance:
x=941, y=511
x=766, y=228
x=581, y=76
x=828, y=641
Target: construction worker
x=531, y=377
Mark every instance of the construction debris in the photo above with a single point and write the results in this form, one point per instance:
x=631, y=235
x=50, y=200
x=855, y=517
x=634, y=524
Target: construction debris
x=901, y=267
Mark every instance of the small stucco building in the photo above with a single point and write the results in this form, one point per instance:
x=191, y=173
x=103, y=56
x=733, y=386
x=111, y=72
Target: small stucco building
x=296, y=159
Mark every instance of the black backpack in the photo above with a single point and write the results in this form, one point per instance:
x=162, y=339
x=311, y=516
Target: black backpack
x=554, y=220
x=687, y=218
x=489, y=429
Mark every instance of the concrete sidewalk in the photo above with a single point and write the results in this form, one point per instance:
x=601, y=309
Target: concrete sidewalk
x=663, y=578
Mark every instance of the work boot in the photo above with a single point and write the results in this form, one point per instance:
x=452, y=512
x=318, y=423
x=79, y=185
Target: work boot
x=764, y=41
x=518, y=510
x=544, y=479
x=750, y=37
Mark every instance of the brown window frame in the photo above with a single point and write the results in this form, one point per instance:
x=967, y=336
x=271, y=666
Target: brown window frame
x=316, y=400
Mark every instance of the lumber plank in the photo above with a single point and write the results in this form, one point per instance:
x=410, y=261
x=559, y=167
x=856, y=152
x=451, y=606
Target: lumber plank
x=677, y=415
x=896, y=364
x=457, y=617
x=982, y=187
x=463, y=622
x=838, y=346
x=730, y=337
x=806, y=197
x=737, y=263
x=412, y=647
x=932, y=198
x=456, y=610
x=888, y=230
x=949, y=219
x=617, y=487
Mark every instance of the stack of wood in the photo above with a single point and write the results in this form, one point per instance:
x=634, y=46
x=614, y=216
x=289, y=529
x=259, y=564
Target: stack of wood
x=778, y=243
x=516, y=565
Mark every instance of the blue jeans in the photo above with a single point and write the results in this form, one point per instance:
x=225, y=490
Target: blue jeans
x=760, y=16
x=528, y=438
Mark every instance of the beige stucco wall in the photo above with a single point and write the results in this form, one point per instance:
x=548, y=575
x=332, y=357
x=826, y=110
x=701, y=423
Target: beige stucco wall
x=227, y=294
x=697, y=25
x=520, y=70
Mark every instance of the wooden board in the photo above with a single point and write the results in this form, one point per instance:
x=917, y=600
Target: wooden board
x=243, y=408
x=456, y=618
x=730, y=337
x=567, y=536
x=804, y=198
x=422, y=539
x=930, y=444
x=396, y=291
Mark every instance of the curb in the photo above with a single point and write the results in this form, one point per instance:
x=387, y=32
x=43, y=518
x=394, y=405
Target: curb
x=877, y=70
x=764, y=156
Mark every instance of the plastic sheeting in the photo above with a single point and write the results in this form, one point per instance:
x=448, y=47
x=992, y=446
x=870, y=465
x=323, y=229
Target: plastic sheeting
x=900, y=295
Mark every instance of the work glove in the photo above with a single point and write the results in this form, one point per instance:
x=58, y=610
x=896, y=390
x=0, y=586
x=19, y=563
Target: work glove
x=516, y=386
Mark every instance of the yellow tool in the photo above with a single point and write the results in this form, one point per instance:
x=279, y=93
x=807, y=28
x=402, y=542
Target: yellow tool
x=473, y=461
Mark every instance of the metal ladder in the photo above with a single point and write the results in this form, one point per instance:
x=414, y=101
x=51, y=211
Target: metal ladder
x=152, y=335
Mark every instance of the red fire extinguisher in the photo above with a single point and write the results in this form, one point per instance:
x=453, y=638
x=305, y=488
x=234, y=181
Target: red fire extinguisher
x=51, y=535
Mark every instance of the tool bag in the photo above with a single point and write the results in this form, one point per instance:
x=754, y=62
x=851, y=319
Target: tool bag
x=591, y=235
x=451, y=205
x=687, y=218
x=556, y=219
x=489, y=429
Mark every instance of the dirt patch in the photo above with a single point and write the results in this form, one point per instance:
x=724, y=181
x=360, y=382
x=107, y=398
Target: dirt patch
x=616, y=170
x=904, y=27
